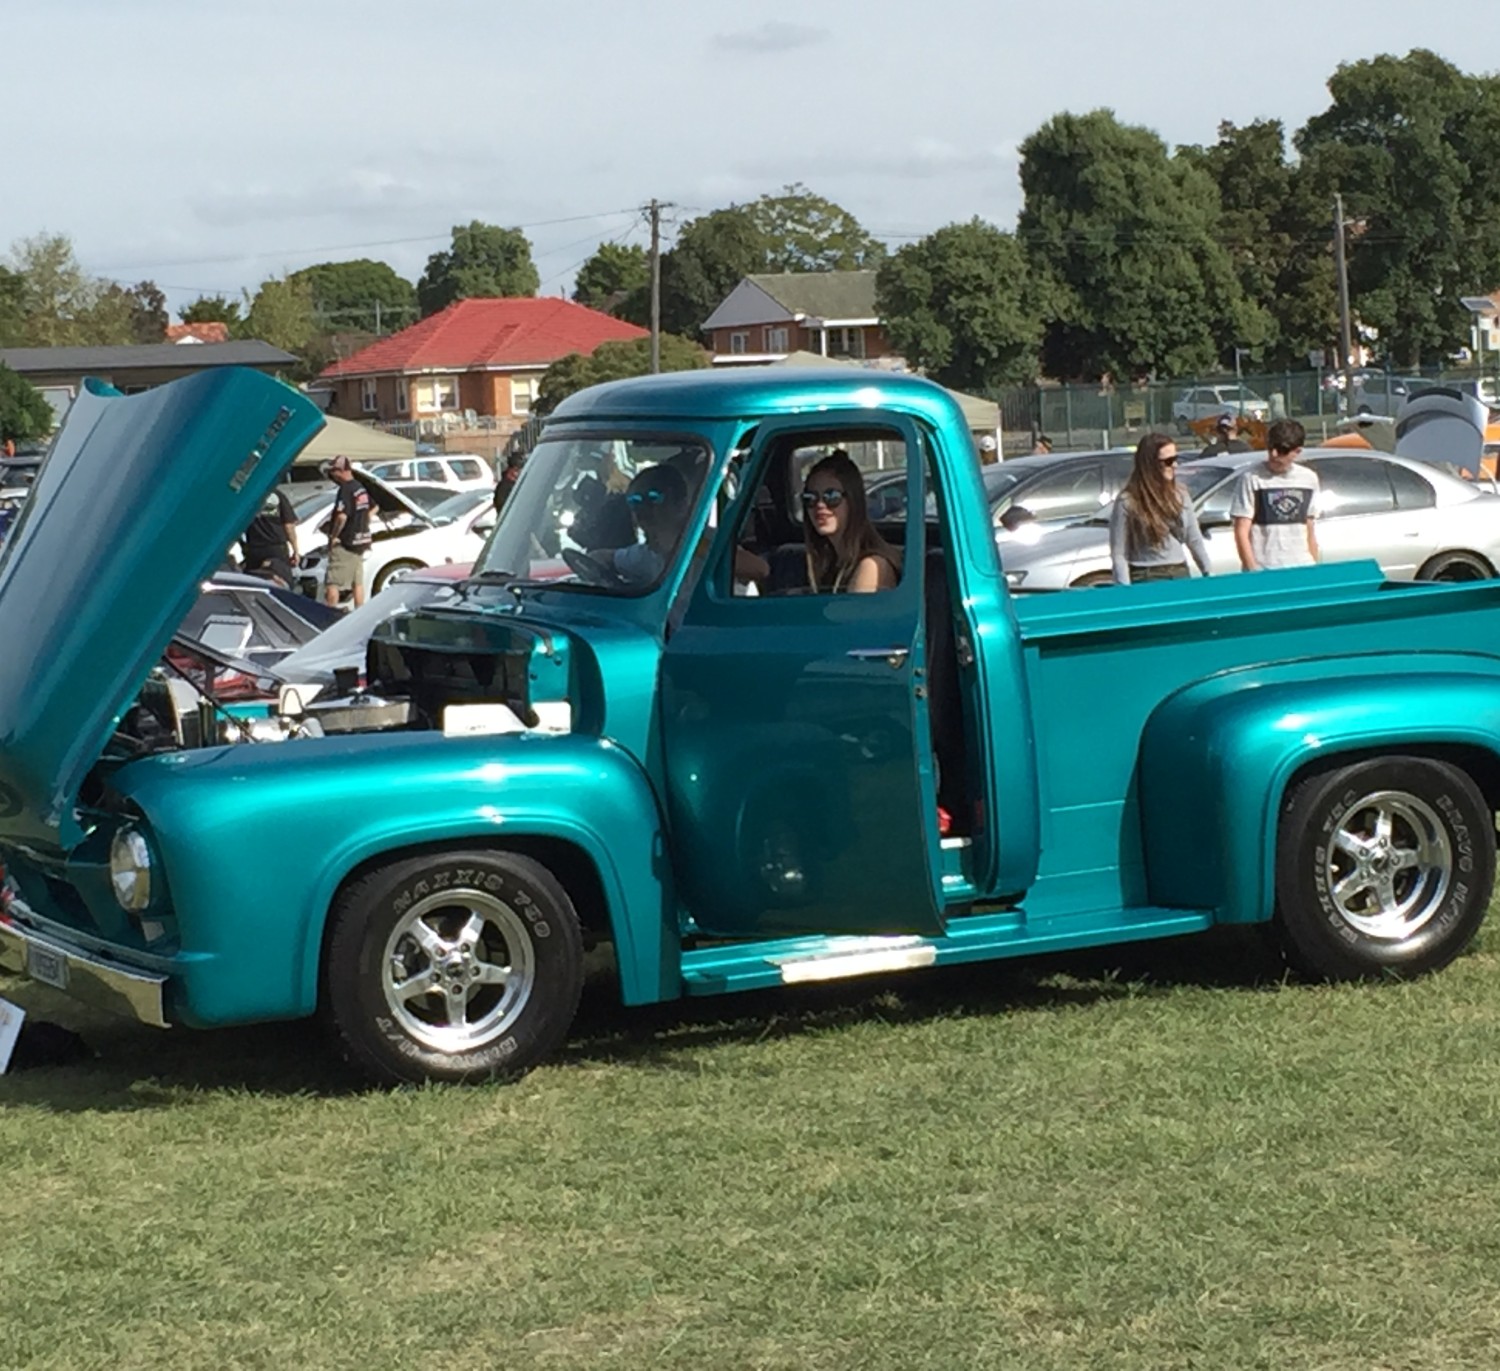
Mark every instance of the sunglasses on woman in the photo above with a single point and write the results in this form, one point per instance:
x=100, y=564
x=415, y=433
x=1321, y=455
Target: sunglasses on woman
x=833, y=497
x=1168, y=461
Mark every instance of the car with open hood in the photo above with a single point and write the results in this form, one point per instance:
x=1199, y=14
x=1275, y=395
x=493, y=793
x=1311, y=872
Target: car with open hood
x=603, y=737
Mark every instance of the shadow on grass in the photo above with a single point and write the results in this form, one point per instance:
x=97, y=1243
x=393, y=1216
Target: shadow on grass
x=136, y=1068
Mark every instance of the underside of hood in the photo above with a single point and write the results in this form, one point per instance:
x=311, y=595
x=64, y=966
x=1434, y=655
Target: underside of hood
x=135, y=504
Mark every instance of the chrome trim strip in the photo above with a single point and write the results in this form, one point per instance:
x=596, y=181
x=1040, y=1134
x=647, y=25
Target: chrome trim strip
x=91, y=980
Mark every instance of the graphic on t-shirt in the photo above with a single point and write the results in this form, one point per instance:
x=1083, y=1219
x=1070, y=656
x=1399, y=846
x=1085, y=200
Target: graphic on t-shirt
x=1282, y=504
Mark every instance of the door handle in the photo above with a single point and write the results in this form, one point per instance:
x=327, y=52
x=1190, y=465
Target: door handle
x=893, y=656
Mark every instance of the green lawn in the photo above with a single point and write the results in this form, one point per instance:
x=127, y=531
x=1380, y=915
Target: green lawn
x=1161, y=1157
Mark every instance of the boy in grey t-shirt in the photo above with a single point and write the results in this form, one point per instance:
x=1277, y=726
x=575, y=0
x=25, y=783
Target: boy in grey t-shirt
x=1275, y=505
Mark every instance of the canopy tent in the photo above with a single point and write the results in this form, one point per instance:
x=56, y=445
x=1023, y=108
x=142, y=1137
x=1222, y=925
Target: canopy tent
x=982, y=416
x=357, y=442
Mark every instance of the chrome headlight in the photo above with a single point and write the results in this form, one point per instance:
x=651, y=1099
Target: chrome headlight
x=130, y=869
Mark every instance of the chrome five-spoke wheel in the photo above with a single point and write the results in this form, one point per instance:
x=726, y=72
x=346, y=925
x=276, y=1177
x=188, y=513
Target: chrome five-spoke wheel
x=459, y=969
x=1389, y=865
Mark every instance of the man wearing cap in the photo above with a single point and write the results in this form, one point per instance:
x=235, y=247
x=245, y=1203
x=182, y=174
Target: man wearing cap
x=348, y=535
x=1226, y=437
x=988, y=449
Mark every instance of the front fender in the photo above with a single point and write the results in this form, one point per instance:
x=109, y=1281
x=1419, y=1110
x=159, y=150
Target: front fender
x=1217, y=757
x=255, y=841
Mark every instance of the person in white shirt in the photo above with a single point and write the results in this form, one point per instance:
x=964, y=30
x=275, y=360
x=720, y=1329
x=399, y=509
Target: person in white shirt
x=1275, y=505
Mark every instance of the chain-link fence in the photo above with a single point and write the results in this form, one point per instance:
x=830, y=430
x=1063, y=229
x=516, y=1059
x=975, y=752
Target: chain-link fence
x=1080, y=416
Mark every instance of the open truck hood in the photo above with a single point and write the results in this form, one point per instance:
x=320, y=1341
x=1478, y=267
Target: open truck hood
x=133, y=507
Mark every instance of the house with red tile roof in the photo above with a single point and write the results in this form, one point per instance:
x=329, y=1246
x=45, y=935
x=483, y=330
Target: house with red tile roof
x=487, y=356
x=208, y=331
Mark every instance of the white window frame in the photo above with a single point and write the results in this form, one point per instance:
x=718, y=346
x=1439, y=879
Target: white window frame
x=776, y=338
x=403, y=396
x=739, y=343
x=523, y=394
x=369, y=395
x=432, y=391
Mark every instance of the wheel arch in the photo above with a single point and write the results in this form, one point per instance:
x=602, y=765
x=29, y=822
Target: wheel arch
x=581, y=867
x=1438, y=557
x=1218, y=760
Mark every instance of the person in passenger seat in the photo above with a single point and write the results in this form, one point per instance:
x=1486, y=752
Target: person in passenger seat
x=844, y=552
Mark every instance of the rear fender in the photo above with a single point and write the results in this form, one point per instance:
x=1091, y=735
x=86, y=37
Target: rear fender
x=256, y=841
x=1218, y=757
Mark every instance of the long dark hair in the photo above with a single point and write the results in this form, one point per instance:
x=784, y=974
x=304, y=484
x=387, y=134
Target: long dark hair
x=1153, y=499
x=827, y=569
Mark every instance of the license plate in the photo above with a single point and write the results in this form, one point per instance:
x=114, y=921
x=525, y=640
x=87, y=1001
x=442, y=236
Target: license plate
x=46, y=966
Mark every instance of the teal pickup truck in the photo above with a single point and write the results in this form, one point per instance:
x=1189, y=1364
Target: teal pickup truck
x=639, y=725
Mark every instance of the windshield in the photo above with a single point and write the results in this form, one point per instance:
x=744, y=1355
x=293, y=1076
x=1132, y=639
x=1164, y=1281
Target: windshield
x=456, y=506
x=601, y=512
x=307, y=502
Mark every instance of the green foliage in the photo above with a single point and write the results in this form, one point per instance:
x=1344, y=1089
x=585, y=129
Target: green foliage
x=614, y=362
x=213, y=309
x=143, y=308
x=60, y=305
x=1276, y=228
x=282, y=314
x=1123, y=245
x=12, y=315
x=611, y=274
x=359, y=295
x=805, y=232
x=956, y=305
x=1414, y=145
x=484, y=260
x=793, y=231
x=24, y=412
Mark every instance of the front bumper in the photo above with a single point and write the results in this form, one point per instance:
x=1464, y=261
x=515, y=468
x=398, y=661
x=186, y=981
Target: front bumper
x=86, y=977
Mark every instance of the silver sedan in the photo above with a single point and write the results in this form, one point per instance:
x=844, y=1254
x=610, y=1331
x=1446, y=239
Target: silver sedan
x=1417, y=521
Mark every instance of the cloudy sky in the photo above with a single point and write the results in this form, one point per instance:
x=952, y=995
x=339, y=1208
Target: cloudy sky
x=209, y=145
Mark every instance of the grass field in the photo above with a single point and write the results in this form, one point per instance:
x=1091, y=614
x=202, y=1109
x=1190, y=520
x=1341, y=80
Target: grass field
x=1175, y=1160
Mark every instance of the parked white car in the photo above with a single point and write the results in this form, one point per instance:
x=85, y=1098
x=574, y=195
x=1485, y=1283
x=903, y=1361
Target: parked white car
x=460, y=470
x=1208, y=402
x=405, y=536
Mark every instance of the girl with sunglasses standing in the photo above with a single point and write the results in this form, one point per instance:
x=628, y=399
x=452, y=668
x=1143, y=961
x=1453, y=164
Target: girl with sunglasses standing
x=1153, y=525
x=844, y=552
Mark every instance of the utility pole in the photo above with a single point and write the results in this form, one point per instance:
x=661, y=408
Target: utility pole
x=653, y=214
x=1346, y=328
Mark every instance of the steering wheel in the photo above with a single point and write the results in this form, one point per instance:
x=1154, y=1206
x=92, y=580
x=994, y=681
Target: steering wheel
x=590, y=570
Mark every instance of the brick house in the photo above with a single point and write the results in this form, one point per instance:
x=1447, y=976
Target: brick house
x=485, y=356
x=831, y=313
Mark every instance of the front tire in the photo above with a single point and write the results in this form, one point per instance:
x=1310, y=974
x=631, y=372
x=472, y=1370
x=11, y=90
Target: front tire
x=387, y=574
x=1382, y=866
x=455, y=966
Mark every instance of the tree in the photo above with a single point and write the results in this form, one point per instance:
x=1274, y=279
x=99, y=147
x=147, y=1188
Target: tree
x=1122, y=242
x=956, y=304
x=611, y=274
x=24, y=413
x=805, y=232
x=614, y=362
x=144, y=308
x=363, y=294
x=12, y=316
x=793, y=231
x=282, y=314
x=485, y=260
x=213, y=309
x=1276, y=228
x=1414, y=146
x=60, y=304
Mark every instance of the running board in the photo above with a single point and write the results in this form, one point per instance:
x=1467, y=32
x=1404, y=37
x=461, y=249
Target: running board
x=722, y=968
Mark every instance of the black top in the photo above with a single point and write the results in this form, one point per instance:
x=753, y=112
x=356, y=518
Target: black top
x=267, y=537
x=354, y=500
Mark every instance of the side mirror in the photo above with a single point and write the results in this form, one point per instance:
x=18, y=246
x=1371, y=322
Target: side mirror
x=1015, y=516
x=484, y=527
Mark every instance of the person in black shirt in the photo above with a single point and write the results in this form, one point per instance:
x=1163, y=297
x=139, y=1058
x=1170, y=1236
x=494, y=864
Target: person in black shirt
x=1226, y=438
x=348, y=536
x=270, y=543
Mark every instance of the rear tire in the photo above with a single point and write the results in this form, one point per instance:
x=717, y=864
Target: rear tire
x=1384, y=866
x=453, y=966
x=1093, y=581
x=1456, y=566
